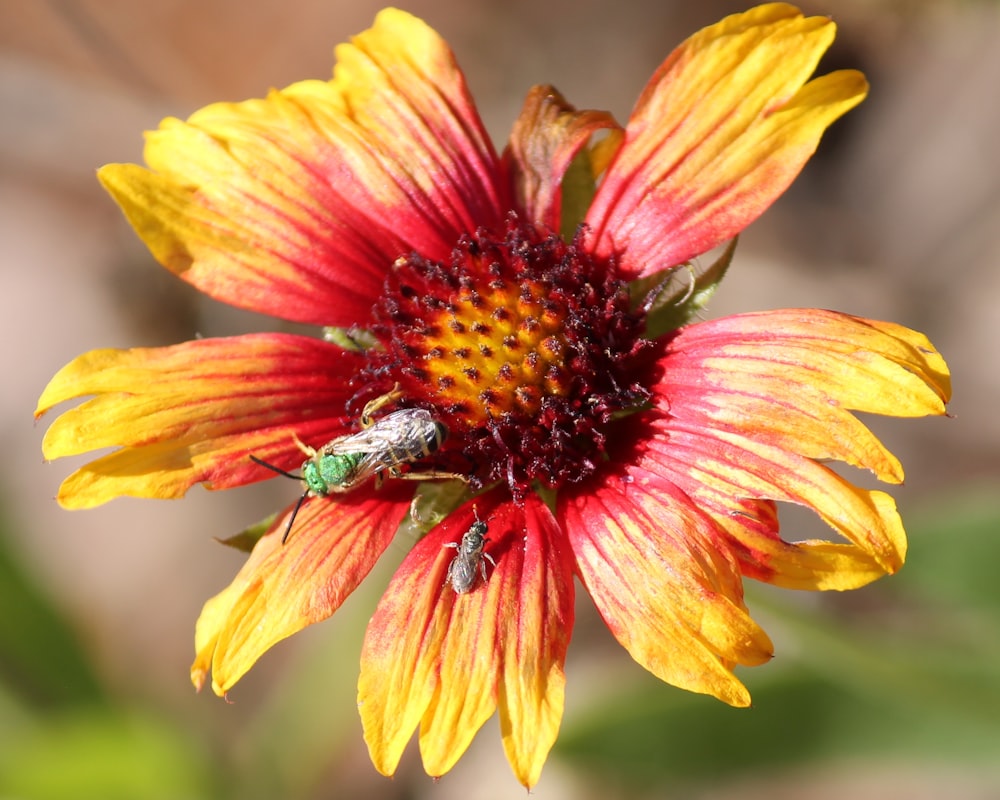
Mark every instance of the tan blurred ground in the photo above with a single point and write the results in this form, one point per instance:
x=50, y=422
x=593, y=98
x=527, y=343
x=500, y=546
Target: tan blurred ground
x=896, y=219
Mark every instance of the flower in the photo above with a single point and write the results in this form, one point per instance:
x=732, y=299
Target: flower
x=525, y=305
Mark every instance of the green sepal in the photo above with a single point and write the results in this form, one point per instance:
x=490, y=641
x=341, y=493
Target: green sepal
x=676, y=303
x=247, y=538
x=578, y=188
x=354, y=339
x=548, y=496
x=432, y=503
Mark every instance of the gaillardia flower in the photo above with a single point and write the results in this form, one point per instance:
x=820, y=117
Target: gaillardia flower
x=518, y=330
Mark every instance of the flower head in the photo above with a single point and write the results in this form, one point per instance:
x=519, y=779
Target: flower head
x=505, y=328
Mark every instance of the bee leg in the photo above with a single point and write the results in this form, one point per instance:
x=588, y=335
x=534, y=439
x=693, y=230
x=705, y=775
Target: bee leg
x=482, y=564
x=310, y=452
x=449, y=573
x=428, y=476
x=377, y=403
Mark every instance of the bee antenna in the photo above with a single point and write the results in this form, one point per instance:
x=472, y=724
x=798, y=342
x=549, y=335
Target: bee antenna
x=291, y=519
x=274, y=468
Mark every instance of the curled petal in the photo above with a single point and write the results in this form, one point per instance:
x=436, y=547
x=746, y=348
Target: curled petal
x=546, y=138
x=723, y=127
x=283, y=588
x=192, y=413
x=445, y=661
x=663, y=579
x=297, y=205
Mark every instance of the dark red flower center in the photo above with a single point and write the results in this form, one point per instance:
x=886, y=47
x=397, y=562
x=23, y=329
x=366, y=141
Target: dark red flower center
x=523, y=345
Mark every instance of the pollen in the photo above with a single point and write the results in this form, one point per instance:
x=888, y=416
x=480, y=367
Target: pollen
x=522, y=344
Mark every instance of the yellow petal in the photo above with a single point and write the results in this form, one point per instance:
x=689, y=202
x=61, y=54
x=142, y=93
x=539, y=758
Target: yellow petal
x=721, y=130
x=296, y=205
x=192, y=413
x=447, y=660
x=536, y=620
x=285, y=587
x=665, y=583
x=428, y=658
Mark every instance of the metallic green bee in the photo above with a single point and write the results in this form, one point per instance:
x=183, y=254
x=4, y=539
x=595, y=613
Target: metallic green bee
x=471, y=557
x=381, y=446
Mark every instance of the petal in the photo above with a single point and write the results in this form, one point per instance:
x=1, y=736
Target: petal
x=191, y=413
x=721, y=130
x=334, y=544
x=791, y=379
x=751, y=526
x=548, y=135
x=297, y=205
x=663, y=579
x=430, y=655
x=446, y=661
x=536, y=623
x=747, y=468
x=750, y=403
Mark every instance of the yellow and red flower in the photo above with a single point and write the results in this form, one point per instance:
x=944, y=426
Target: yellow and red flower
x=523, y=300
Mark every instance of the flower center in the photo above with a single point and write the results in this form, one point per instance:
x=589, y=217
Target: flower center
x=523, y=345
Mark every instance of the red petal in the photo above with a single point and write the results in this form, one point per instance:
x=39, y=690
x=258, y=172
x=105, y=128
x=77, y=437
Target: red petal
x=720, y=131
x=445, y=660
x=297, y=205
x=283, y=588
x=663, y=578
x=752, y=402
x=192, y=413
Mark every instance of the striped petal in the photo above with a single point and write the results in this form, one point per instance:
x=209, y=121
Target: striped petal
x=282, y=588
x=447, y=661
x=721, y=130
x=752, y=403
x=296, y=205
x=192, y=413
x=663, y=579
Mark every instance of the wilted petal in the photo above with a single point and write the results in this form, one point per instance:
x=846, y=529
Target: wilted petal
x=547, y=136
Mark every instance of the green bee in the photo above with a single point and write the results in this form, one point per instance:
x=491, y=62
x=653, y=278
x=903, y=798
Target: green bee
x=380, y=447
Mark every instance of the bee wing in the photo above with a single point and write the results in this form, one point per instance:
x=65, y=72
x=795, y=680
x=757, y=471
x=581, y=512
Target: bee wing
x=386, y=434
x=365, y=441
x=370, y=465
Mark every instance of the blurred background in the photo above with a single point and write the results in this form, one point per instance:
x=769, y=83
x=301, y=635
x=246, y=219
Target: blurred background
x=891, y=691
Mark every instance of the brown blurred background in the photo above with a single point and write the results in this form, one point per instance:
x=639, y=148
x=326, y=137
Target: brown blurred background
x=896, y=218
